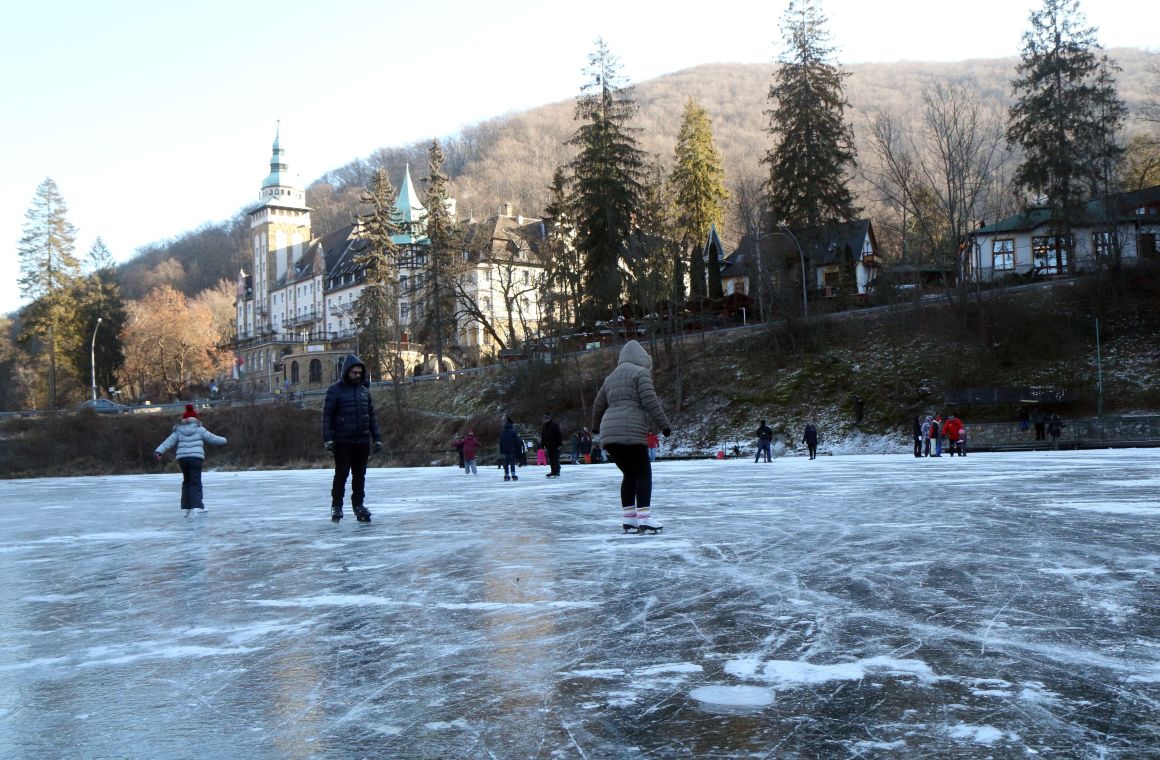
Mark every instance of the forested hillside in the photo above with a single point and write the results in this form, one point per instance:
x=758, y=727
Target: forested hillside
x=511, y=158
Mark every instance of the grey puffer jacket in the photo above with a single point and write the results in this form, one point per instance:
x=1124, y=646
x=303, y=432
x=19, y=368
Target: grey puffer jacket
x=190, y=438
x=627, y=404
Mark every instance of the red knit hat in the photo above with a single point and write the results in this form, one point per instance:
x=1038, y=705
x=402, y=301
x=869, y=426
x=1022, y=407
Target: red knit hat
x=189, y=412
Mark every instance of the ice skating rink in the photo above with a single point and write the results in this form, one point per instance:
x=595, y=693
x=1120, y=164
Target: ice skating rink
x=1001, y=605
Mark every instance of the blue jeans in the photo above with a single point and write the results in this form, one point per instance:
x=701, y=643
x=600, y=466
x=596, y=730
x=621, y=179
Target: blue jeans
x=191, y=493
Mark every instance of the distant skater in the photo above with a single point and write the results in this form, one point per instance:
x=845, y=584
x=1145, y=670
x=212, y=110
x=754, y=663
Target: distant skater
x=510, y=446
x=764, y=438
x=550, y=439
x=1055, y=429
x=190, y=438
x=810, y=439
x=625, y=408
x=470, y=448
x=350, y=430
x=917, y=436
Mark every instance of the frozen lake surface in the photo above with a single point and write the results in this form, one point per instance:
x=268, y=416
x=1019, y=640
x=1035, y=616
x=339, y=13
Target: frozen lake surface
x=1001, y=605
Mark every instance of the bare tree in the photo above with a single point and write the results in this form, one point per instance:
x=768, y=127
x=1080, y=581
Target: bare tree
x=941, y=174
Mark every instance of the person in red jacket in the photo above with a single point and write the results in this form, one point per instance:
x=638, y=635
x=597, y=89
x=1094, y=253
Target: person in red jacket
x=951, y=429
x=470, y=446
x=653, y=444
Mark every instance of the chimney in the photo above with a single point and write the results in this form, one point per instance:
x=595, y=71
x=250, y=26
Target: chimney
x=506, y=210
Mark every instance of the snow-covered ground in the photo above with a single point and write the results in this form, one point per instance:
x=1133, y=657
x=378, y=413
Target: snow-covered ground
x=1001, y=605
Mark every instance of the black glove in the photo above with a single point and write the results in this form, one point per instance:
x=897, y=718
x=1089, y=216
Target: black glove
x=666, y=432
x=329, y=445
x=377, y=447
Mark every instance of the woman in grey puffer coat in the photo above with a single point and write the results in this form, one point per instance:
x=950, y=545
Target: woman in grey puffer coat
x=190, y=438
x=625, y=409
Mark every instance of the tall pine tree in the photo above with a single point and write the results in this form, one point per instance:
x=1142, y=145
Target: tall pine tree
x=813, y=155
x=698, y=187
x=48, y=272
x=377, y=308
x=98, y=296
x=606, y=187
x=442, y=260
x=1065, y=116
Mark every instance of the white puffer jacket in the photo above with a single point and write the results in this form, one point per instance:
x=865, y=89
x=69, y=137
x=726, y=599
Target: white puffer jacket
x=189, y=436
x=627, y=404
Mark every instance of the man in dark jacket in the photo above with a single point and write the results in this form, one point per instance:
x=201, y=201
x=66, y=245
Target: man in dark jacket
x=810, y=439
x=550, y=439
x=510, y=446
x=350, y=429
x=764, y=438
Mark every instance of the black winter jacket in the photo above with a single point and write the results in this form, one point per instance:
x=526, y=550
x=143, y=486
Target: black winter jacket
x=509, y=440
x=550, y=435
x=348, y=414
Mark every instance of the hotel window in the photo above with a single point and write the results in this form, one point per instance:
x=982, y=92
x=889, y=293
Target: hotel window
x=1003, y=254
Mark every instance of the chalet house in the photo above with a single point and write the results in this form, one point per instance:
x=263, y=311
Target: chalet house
x=1122, y=228
x=839, y=258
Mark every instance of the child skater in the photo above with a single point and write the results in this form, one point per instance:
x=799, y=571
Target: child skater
x=189, y=436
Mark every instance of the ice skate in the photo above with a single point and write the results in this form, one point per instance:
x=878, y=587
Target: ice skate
x=629, y=522
x=362, y=514
x=335, y=514
x=515, y=477
x=646, y=523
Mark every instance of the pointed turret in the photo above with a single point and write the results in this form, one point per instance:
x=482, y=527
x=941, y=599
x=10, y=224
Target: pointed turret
x=281, y=187
x=410, y=213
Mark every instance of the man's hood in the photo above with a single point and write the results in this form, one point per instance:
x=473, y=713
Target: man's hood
x=354, y=361
x=634, y=353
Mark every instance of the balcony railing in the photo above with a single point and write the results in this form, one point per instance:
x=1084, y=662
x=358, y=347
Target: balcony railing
x=304, y=318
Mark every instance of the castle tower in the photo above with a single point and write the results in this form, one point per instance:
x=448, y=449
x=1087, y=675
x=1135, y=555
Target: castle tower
x=279, y=232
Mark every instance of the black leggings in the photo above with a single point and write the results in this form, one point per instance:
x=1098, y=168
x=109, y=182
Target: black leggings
x=636, y=486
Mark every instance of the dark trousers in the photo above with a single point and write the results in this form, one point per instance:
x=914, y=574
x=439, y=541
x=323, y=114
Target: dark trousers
x=191, y=494
x=762, y=448
x=636, y=485
x=1040, y=432
x=813, y=448
x=554, y=460
x=350, y=459
x=509, y=464
x=918, y=445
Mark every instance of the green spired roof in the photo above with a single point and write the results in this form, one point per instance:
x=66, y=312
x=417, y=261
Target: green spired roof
x=410, y=213
x=279, y=175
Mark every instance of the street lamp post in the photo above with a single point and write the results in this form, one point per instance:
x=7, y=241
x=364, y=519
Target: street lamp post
x=93, y=357
x=336, y=307
x=802, y=258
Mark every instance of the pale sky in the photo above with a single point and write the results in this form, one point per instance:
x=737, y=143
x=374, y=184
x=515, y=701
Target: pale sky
x=154, y=117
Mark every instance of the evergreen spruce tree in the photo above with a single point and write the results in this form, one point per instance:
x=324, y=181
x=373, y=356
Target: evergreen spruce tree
x=443, y=266
x=698, y=188
x=653, y=248
x=606, y=186
x=563, y=263
x=1065, y=115
x=98, y=295
x=377, y=308
x=813, y=154
x=48, y=273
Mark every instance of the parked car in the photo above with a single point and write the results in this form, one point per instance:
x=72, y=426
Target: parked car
x=102, y=406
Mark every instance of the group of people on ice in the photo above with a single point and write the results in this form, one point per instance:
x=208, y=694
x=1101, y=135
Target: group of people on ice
x=624, y=415
x=934, y=435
